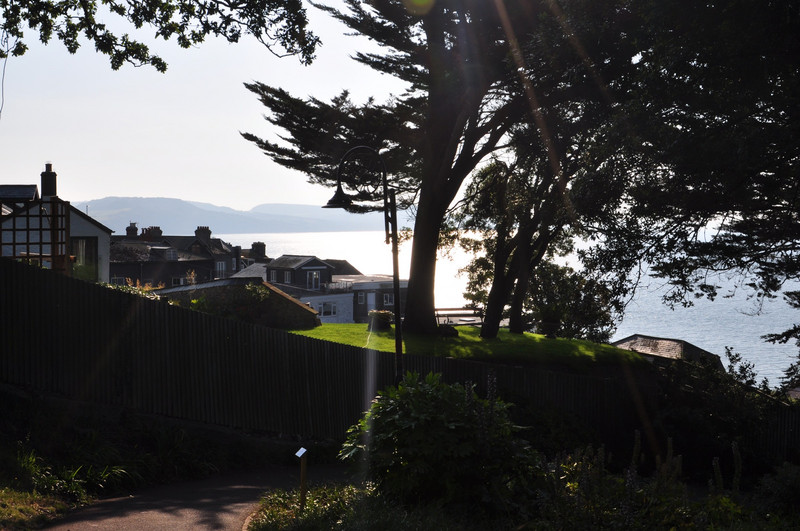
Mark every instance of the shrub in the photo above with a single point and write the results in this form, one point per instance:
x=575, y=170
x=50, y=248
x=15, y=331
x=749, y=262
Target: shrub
x=380, y=320
x=777, y=492
x=705, y=410
x=426, y=441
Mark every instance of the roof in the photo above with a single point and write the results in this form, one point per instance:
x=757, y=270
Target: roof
x=368, y=281
x=184, y=245
x=342, y=267
x=664, y=347
x=231, y=281
x=18, y=192
x=294, y=261
x=257, y=270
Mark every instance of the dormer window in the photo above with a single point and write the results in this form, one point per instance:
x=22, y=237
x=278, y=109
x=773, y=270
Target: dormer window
x=172, y=254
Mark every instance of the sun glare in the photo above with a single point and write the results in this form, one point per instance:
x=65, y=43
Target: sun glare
x=418, y=7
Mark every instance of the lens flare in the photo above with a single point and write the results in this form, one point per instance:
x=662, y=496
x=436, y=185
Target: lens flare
x=418, y=7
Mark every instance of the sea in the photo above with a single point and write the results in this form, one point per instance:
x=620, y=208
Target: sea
x=732, y=320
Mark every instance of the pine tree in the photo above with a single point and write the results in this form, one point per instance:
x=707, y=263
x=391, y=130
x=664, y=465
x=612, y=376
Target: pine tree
x=469, y=83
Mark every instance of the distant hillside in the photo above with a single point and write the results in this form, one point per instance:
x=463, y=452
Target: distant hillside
x=176, y=216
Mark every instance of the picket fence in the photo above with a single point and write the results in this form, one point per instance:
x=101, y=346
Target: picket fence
x=65, y=337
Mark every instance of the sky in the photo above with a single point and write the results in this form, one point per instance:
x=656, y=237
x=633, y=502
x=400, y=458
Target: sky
x=137, y=132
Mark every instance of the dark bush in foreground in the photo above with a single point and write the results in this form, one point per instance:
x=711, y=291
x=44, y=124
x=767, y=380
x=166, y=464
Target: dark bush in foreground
x=426, y=441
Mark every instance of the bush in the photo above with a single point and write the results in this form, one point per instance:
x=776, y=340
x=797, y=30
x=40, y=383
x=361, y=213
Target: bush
x=777, y=492
x=380, y=320
x=706, y=410
x=430, y=442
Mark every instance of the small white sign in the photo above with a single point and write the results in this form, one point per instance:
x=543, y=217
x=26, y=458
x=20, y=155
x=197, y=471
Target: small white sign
x=300, y=452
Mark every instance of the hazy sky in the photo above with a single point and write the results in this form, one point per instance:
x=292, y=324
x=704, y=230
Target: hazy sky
x=136, y=132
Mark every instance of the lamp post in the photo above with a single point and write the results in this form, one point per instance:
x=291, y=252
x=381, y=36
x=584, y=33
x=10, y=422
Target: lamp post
x=342, y=200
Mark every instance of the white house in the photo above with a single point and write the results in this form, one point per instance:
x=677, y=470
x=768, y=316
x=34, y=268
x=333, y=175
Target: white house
x=339, y=298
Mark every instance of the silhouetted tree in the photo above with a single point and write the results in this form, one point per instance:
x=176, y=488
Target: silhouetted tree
x=715, y=108
x=473, y=71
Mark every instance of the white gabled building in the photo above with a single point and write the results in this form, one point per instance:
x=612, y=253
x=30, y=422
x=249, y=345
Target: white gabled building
x=338, y=298
x=50, y=232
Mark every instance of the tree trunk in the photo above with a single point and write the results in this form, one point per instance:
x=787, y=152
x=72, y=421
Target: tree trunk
x=420, y=316
x=502, y=283
x=523, y=275
x=498, y=295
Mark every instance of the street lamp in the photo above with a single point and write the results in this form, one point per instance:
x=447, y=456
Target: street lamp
x=342, y=200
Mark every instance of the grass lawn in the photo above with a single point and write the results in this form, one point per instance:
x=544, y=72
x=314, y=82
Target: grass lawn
x=517, y=348
x=21, y=509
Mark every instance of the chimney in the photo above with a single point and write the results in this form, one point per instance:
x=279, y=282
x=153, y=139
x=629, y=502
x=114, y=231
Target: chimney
x=151, y=234
x=131, y=231
x=258, y=251
x=48, y=181
x=203, y=234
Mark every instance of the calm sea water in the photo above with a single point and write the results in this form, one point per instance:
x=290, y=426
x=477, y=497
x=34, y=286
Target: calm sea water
x=727, y=321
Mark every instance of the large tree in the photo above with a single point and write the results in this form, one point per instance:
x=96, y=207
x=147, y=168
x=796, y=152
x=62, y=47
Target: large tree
x=468, y=84
x=281, y=25
x=716, y=105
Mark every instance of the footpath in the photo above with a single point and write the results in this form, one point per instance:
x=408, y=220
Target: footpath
x=222, y=502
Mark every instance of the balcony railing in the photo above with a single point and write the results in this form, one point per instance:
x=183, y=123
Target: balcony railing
x=337, y=287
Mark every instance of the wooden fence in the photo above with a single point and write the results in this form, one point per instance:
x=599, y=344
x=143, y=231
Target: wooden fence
x=66, y=337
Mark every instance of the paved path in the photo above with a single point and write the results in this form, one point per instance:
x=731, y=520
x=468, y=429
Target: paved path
x=223, y=502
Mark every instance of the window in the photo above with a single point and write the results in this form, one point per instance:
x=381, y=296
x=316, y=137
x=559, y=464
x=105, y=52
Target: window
x=388, y=299
x=361, y=297
x=119, y=281
x=220, y=273
x=172, y=254
x=327, y=308
x=312, y=279
x=178, y=281
x=287, y=277
x=273, y=276
x=85, y=252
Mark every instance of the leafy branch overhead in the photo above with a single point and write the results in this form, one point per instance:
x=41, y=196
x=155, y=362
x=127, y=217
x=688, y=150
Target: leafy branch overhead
x=281, y=25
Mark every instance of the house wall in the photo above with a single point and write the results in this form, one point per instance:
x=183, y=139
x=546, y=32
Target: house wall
x=24, y=232
x=82, y=228
x=378, y=289
x=343, y=302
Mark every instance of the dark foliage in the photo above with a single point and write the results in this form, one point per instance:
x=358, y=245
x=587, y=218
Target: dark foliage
x=279, y=24
x=706, y=411
x=433, y=443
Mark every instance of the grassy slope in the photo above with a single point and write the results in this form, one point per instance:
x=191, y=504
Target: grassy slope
x=518, y=348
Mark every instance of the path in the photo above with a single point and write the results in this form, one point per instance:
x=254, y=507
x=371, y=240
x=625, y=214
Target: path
x=223, y=502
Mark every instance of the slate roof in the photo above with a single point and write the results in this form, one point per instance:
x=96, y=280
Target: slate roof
x=342, y=267
x=257, y=270
x=18, y=192
x=663, y=347
x=184, y=245
x=293, y=261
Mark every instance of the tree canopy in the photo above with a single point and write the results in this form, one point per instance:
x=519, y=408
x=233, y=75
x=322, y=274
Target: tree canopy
x=715, y=110
x=464, y=63
x=669, y=128
x=281, y=25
